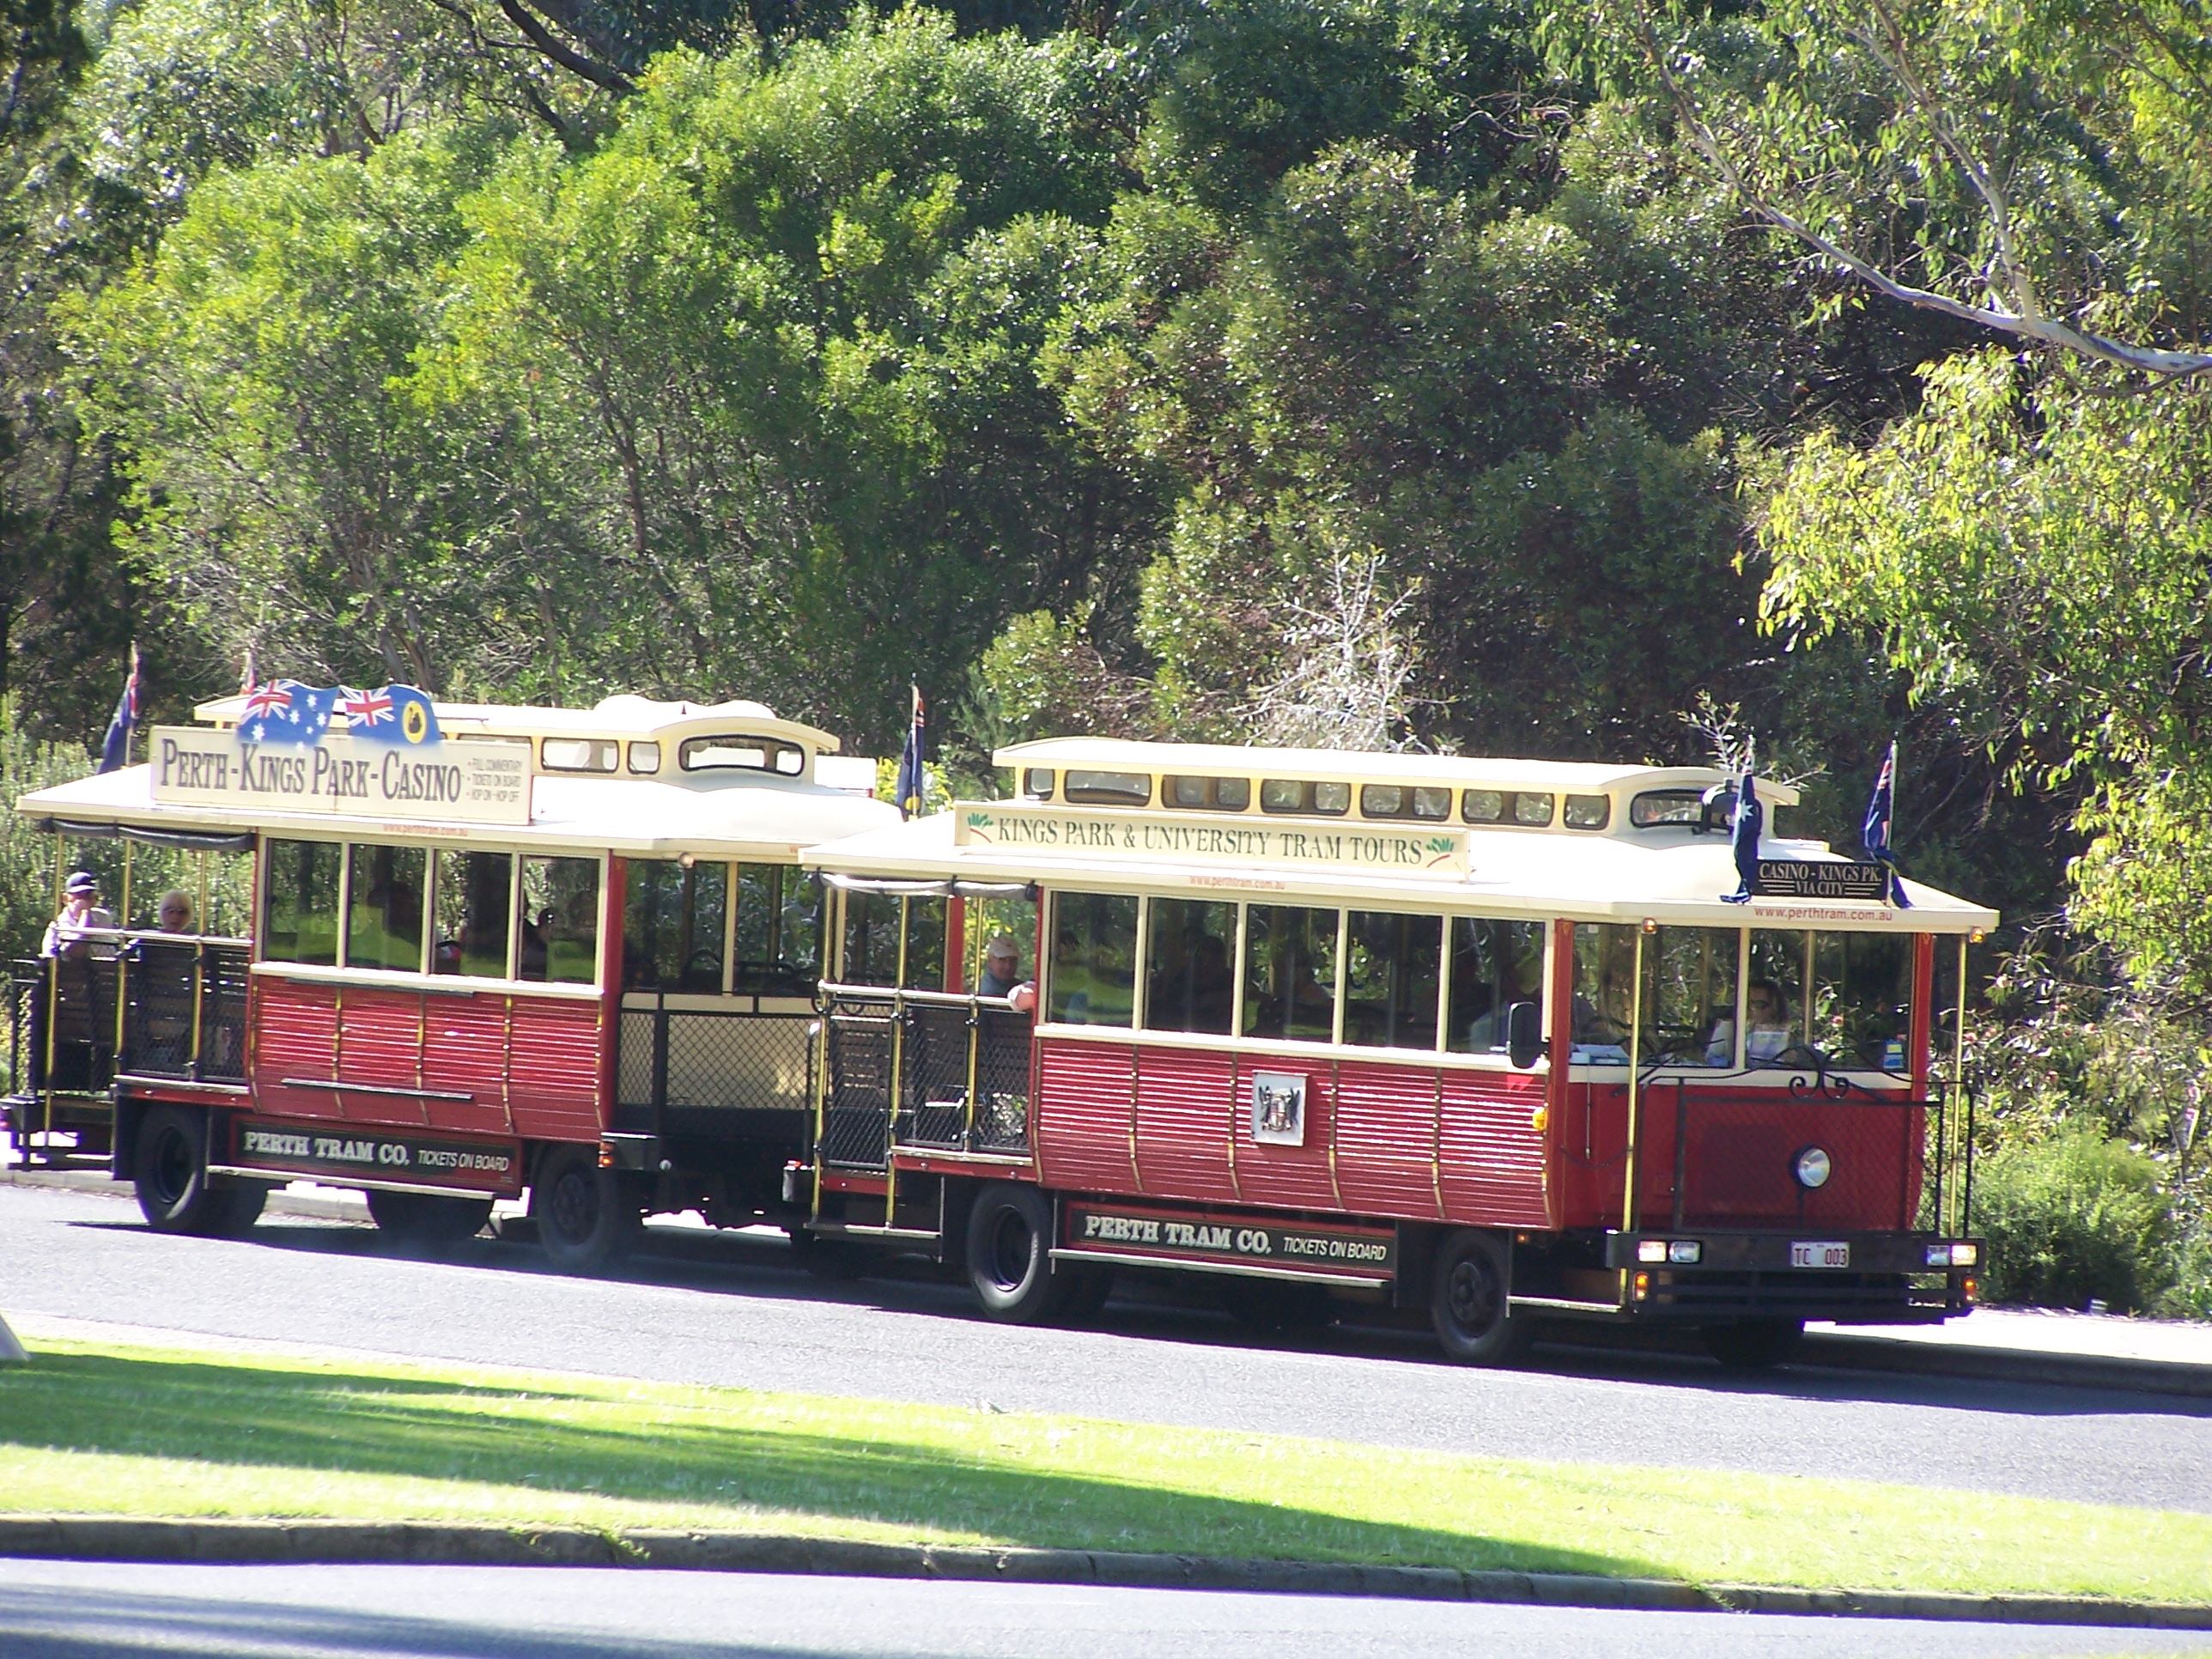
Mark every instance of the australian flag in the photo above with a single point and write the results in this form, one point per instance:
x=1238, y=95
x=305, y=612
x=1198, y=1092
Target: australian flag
x=1874, y=834
x=1750, y=819
x=912, y=785
x=396, y=714
x=285, y=711
x=115, y=751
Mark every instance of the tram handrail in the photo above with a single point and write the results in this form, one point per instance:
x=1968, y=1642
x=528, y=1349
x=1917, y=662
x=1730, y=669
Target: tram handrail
x=831, y=991
x=903, y=1107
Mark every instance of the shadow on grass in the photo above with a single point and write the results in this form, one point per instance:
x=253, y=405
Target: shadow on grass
x=335, y=1421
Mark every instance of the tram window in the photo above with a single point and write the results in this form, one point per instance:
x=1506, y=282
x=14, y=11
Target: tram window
x=1494, y=964
x=1589, y=811
x=1391, y=967
x=1036, y=782
x=300, y=918
x=645, y=758
x=740, y=752
x=473, y=911
x=1399, y=800
x=1209, y=794
x=1290, y=972
x=384, y=917
x=1657, y=807
x=1775, y=1031
x=871, y=938
x=580, y=754
x=1532, y=807
x=1482, y=806
x=1189, y=984
x=1302, y=795
x=1094, y=959
x=1108, y=788
x=560, y=941
x=1862, y=999
x=798, y=935
x=987, y=919
x=672, y=925
x=1689, y=995
x=1605, y=990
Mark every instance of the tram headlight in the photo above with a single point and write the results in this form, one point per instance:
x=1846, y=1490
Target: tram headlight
x=1813, y=1166
x=1953, y=1255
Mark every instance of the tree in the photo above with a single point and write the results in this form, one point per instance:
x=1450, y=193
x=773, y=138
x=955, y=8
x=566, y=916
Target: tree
x=2008, y=169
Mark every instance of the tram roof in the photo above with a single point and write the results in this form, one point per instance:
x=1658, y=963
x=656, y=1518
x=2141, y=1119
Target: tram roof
x=736, y=816
x=1670, y=876
x=1334, y=765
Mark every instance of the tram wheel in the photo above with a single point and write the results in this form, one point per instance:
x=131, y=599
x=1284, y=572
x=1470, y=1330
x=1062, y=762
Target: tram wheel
x=428, y=1219
x=1010, y=1256
x=175, y=1192
x=585, y=1219
x=1468, y=1305
x=1753, y=1344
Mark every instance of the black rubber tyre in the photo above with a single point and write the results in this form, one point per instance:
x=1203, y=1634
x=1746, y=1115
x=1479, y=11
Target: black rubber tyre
x=585, y=1219
x=428, y=1220
x=1087, y=1291
x=169, y=1170
x=1010, y=1256
x=1753, y=1344
x=235, y=1207
x=1273, y=1304
x=1467, y=1301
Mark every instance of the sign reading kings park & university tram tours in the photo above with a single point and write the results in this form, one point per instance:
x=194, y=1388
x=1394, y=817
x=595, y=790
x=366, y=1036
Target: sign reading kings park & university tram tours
x=451, y=780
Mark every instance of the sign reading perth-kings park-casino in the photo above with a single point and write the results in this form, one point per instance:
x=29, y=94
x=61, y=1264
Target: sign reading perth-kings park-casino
x=354, y=754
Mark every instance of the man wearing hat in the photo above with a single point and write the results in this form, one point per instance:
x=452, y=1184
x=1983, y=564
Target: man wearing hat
x=82, y=912
x=1002, y=970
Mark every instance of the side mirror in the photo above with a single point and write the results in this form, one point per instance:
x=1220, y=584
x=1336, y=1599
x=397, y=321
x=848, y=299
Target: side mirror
x=1524, y=1034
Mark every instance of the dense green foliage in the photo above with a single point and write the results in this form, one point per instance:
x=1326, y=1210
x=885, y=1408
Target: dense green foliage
x=1448, y=371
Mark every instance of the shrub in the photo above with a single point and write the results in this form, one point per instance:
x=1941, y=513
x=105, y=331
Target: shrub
x=2073, y=1218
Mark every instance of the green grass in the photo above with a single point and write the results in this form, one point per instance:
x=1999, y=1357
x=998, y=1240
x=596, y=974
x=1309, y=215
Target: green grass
x=94, y=1428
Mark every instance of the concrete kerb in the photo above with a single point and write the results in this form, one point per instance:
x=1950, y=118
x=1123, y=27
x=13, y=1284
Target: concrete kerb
x=208, y=1543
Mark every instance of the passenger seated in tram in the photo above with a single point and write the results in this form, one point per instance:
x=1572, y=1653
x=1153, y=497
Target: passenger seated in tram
x=1766, y=1022
x=68, y=934
x=162, y=976
x=530, y=964
x=174, y=913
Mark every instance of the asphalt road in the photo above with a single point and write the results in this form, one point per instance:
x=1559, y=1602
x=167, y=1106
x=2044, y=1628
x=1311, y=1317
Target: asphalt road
x=732, y=1311
x=74, y=1610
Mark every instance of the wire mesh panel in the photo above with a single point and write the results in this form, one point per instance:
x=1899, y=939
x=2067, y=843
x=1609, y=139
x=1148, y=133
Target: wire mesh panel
x=1002, y=1083
x=62, y=1011
x=856, y=1113
x=696, y=1060
x=1736, y=1160
x=934, y=1107
x=185, y=1011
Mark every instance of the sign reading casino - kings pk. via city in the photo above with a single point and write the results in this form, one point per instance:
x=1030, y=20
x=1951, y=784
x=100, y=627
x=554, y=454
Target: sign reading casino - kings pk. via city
x=466, y=780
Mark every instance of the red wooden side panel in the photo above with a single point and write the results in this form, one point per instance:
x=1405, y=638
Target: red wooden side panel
x=464, y=1053
x=1295, y=1177
x=1386, y=1136
x=1184, y=1103
x=1086, y=1097
x=1493, y=1153
x=294, y=1035
x=553, y=1075
x=380, y=1042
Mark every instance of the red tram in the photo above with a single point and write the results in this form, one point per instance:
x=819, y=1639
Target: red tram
x=560, y=950
x=1471, y=1037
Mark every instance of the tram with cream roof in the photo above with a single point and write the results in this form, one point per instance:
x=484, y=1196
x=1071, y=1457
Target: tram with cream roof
x=568, y=953
x=1481, y=1041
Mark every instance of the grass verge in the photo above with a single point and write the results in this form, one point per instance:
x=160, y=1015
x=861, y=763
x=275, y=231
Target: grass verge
x=97, y=1428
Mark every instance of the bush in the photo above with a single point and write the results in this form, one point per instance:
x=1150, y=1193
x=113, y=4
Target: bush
x=2077, y=1217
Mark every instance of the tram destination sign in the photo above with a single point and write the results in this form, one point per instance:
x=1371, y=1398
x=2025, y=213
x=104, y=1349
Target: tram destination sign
x=1369, y=847
x=1822, y=880
x=466, y=780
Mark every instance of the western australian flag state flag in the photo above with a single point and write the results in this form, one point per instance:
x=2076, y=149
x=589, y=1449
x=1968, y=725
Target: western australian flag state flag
x=285, y=711
x=1882, y=806
x=396, y=714
x=1750, y=820
x=913, y=783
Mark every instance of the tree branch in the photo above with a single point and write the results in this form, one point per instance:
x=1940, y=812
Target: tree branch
x=2044, y=330
x=574, y=62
